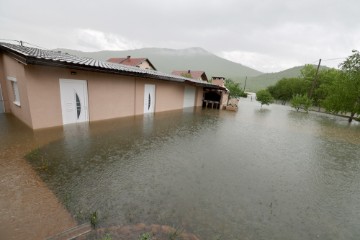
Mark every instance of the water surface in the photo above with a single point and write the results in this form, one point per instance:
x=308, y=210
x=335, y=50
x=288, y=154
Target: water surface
x=268, y=173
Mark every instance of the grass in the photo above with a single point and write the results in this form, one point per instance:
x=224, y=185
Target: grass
x=36, y=157
x=175, y=234
x=107, y=237
x=145, y=236
x=94, y=220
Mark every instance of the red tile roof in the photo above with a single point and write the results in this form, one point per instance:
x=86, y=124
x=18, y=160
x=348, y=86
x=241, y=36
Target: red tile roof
x=129, y=61
x=194, y=74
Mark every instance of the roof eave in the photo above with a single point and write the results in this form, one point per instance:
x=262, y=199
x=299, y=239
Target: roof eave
x=50, y=63
x=17, y=56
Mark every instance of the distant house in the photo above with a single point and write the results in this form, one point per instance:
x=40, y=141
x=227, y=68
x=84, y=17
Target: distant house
x=142, y=63
x=46, y=88
x=219, y=96
x=198, y=75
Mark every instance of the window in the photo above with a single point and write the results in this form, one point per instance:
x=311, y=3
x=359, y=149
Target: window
x=15, y=89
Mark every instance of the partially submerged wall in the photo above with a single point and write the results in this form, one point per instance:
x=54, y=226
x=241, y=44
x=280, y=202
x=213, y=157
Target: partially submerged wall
x=109, y=95
x=14, y=71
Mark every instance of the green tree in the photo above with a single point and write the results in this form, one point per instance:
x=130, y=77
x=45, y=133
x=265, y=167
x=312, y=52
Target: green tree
x=325, y=78
x=343, y=94
x=264, y=97
x=234, y=88
x=301, y=102
x=285, y=88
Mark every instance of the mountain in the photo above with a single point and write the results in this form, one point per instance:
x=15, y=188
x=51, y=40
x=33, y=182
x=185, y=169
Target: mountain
x=167, y=60
x=267, y=79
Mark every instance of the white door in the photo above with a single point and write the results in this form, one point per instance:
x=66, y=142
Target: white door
x=149, y=98
x=2, y=108
x=189, y=96
x=74, y=101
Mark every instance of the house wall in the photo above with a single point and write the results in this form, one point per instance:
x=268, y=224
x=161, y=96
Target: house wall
x=145, y=65
x=12, y=68
x=3, y=86
x=199, y=96
x=109, y=95
x=168, y=95
x=224, y=98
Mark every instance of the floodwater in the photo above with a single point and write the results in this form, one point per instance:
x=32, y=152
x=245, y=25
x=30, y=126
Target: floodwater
x=28, y=209
x=269, y=173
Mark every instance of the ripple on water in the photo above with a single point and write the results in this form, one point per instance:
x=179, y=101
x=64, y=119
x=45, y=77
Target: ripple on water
x=255, y=174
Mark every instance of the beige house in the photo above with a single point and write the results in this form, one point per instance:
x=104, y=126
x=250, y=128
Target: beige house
x=46, y=88
x=142, y=63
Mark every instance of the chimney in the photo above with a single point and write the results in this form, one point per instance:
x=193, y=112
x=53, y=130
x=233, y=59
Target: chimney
x=128, y=57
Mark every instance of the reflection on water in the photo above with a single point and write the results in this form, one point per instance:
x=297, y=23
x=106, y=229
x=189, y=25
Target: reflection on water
x=268, y=173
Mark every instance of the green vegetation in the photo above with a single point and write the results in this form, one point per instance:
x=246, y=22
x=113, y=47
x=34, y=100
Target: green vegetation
x=175, y=234
x=107, y=237
x=145, y=236
x=267, y=79
x=38, y=160
x=235, y=89
x=284, y=89
x=343, y=94
x=187, y=75
x=94, y=219
x=301, y=102
x=264, y=97
x=338, y=91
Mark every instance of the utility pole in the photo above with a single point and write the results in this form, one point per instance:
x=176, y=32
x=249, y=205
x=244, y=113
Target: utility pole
x=314, y=80
x=245, y=83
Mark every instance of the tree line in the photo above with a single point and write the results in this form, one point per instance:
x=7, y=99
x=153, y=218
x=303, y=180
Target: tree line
x=336, y=90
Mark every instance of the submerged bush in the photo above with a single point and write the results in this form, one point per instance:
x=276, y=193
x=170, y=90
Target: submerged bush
x=301, y=102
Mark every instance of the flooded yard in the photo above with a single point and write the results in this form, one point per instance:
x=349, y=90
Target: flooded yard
x=268, y=173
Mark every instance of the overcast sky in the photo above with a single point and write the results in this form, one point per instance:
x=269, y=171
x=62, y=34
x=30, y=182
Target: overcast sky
x=268, y=35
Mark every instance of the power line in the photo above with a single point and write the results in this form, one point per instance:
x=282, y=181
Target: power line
x=332, y=59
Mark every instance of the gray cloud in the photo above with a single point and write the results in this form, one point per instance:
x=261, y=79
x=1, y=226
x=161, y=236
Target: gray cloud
x=268, y=35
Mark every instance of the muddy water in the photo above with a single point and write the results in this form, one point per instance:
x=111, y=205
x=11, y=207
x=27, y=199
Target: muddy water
x=28, y=209
x=266, y=173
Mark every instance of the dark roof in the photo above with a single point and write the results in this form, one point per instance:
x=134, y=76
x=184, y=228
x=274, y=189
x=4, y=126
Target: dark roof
x=129, y=61
x=36, y=56
x=194, y=74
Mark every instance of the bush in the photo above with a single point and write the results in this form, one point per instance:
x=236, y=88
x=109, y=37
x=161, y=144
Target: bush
x=264, y=97
x=301, y=102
